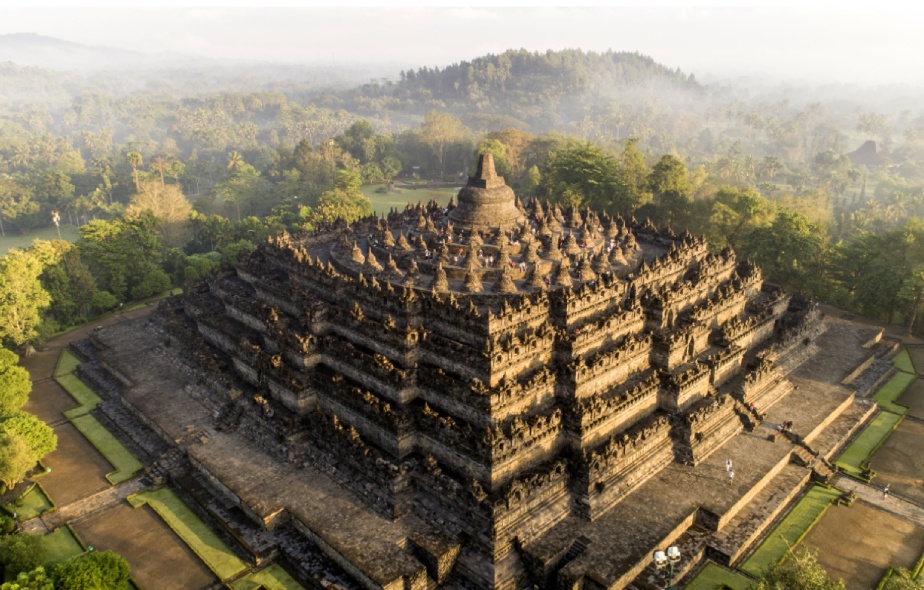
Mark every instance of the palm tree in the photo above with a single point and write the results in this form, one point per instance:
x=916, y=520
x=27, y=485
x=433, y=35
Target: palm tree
x=159, y=164
x=134, y=160
x=236, y=162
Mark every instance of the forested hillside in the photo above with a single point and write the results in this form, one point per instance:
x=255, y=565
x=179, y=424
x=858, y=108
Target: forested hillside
x=163, y=181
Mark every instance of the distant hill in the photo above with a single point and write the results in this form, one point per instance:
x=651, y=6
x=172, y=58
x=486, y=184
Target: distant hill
x=539, y=89
x=29, y=49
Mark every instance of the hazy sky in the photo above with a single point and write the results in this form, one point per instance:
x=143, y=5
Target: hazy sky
x=800, y=40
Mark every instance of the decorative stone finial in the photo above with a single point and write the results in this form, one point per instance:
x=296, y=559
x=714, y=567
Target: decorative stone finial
x=585, y=272
x=472, y=283
x=357, y=254
x=372, y=265
x=562, y=276
x=402, y=244
x=439, y=284
x=536, y=279
x=505, y=283
x=551, y=250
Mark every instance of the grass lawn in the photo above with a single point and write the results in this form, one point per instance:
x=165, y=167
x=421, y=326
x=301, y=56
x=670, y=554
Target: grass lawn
x=33, y=504
x=202, y=541
x=854, y=457
x=902, y=361
x=126, y=465
x=715, y=576
x=66, y=364
x=85, y=396
x=790, y=530
x=381, y=203
x=892, y=390
x=60, y=545
x=148, y=301
x=14, y=239
x=271, y=578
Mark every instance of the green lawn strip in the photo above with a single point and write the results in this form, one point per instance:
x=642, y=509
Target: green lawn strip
x=151, y=300
x=61, y=545
x=67, y=362
x=892, y=390
x=903, y=362
x=202, y=541
x=791, y=529
x=126, y=465
x=271, y=578
x=714, y=576
x=853, y=460
x=34, y=503
x=86, y=397
x=383, y=202
x=15, y=239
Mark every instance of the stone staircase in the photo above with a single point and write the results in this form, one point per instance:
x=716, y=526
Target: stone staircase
x=692, y=544
x=729, y=544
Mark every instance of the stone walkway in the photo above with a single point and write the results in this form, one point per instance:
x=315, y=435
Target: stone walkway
x=893, y=504
x=85, y=507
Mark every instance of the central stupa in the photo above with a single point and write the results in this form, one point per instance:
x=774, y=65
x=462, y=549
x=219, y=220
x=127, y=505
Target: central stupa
x=486, y=201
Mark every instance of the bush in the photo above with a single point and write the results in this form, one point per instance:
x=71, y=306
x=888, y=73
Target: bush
x=21, y=553
x=104, y=301
x=92, y=571
x=156, y=281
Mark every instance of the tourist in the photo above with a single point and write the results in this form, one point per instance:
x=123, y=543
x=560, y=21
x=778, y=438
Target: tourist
x=885, y=492
x=731, y=477
x=728, y=464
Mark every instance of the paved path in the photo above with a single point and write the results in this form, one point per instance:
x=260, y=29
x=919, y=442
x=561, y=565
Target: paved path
x=84, y=507
x=893, y=504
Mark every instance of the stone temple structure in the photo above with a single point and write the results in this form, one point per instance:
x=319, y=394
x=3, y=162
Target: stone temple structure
x=483, y=396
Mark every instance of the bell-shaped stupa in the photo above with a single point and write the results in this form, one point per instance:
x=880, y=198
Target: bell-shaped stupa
x=486, y=201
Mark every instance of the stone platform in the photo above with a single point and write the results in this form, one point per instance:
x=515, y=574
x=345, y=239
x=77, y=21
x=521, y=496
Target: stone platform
x=695, y=506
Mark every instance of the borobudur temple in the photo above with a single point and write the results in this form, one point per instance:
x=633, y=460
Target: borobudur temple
x=488, y=394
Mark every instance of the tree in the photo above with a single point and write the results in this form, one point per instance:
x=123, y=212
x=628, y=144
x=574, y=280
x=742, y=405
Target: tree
x=586, y=173
x=159, y=164
x=736, y=211
x=16, y=459
x=168, y=204
x=135, y=161
x=669, y=174
x=236, y=162
x=635, y=172
x=123, y=253
x=38, y=435
x=344, y=202
x=439, y=132
x=15, y=201
x=912, y=291
x=787, y=249
x=36, y=579
x=92, y=571
x=21, y=553
x=798, y=571
x=22, y=297
x=15, y=384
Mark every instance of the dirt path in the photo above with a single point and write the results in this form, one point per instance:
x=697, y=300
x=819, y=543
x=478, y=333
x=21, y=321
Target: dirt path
x=85, y=507
x=891, y=503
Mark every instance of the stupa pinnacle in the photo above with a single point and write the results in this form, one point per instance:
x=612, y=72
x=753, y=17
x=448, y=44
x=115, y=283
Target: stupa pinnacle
x=486, y=201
